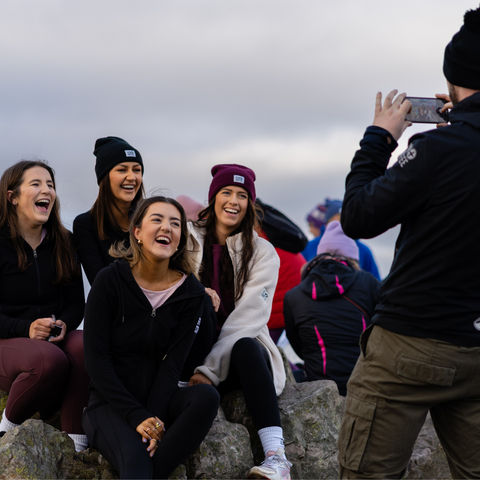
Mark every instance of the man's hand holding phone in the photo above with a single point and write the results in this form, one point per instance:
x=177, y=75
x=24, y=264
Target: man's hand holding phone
x=391, y=115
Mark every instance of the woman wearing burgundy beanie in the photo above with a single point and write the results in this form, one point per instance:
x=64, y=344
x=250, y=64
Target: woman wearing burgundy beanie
x=243, y=269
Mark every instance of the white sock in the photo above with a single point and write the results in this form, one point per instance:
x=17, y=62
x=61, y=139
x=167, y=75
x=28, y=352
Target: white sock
x=272, y=439
x=5, y=424
x=81, y=441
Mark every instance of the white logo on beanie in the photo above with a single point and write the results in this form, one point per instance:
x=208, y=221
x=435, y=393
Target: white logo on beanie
x=238, y=179
x=130, y=153
x=476, y=323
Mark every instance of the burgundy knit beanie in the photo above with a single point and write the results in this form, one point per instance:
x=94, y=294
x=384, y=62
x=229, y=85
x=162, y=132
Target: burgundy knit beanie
x=232, y=174
x=335, y=242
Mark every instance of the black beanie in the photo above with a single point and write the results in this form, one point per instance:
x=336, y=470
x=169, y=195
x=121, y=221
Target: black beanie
x=461, y=64
x=111, y=151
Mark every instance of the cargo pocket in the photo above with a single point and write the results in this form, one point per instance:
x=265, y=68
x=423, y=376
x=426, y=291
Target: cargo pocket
x=354, y=431
x=425, y=372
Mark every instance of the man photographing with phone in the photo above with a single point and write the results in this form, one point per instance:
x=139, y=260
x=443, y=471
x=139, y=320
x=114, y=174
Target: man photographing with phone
x=422, y=352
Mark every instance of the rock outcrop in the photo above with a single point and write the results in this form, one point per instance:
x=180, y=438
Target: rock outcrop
x=310, y=412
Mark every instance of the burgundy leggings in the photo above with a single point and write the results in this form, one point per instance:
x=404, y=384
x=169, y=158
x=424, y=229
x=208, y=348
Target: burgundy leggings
x=37, y=374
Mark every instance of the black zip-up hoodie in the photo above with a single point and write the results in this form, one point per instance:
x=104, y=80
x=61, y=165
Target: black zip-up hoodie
x=31, y=294
x=433, y=191
x=133, y=353
x=322, y=326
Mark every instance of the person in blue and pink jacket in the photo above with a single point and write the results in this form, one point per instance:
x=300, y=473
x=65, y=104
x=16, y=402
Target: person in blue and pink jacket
x=326, y=314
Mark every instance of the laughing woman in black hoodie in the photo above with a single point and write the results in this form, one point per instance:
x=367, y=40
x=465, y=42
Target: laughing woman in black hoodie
x=142, y=316
x=41, y=304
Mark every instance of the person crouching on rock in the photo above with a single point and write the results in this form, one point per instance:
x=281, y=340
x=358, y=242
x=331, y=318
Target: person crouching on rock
x=41, y=304
x=243, y=269
x=142, y=316
x=326, y=314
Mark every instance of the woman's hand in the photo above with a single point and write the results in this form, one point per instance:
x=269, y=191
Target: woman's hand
x=41, y=328
x=61, y=337
x=198, y=379
x=215, y=298
x=152, y=431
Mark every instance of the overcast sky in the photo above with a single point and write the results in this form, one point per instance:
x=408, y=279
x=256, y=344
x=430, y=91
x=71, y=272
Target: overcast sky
x=284, y=87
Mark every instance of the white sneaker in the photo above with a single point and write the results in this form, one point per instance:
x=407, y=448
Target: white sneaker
x=274, y=467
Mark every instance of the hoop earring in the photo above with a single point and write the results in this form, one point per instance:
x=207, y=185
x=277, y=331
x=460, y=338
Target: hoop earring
x=139, y=242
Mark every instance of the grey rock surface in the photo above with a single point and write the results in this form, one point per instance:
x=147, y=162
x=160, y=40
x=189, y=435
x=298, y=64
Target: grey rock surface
x=225, y=452
x=311, y=414
x=34, y=450
x=428, y=458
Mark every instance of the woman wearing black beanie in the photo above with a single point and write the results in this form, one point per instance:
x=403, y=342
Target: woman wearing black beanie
x=119, y=170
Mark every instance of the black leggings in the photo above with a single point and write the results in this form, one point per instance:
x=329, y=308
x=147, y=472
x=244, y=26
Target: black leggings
x=250, y=372
x=190, y=415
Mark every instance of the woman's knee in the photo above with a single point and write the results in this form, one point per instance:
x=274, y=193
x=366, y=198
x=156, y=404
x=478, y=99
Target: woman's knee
x=246, y=350
x=73, y=347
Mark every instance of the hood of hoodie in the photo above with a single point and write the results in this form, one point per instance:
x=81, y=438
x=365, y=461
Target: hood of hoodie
x=328, y=279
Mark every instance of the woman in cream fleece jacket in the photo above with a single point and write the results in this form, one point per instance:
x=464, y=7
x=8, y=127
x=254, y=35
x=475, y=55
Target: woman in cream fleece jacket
x=243, y=269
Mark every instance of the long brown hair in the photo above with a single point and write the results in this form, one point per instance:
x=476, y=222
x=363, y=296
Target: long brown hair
x=65, y=265
x=180, y=260
x=102, y=209
x=207, y=220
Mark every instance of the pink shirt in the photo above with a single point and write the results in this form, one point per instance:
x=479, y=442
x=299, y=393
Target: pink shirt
x=158, y=298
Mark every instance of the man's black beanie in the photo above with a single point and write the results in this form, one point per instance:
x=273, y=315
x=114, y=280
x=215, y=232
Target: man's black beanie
x=111, y=151
x=461, y=64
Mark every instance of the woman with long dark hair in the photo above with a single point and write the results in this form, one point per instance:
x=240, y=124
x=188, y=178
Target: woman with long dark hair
x=143, y=314
x=243, y=269
x=119, y=170
x=41, y=303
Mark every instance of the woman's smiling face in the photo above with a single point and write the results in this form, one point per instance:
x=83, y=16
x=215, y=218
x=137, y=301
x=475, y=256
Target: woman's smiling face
x=160, y=231
x=231, y=203
x=125, y=181
x=35, y=199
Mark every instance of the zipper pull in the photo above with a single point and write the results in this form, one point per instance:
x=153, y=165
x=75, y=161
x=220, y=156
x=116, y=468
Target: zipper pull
x=154, y=313
x=35, y=254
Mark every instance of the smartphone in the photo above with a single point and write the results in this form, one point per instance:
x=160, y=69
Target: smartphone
x=427, y=110
x=56, y=330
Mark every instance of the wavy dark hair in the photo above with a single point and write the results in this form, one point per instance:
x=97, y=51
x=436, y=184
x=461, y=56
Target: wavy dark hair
x=102, y=209
x=250, y=223
x=180, y=260
x=66, y=266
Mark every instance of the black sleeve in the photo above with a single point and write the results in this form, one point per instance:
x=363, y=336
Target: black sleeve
x=290, y=328
x=88, y=247
x=11, y=327
x=99, y=318
x=377, y=198
x=169, y=372
x=204, y=340
x=74, y=306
